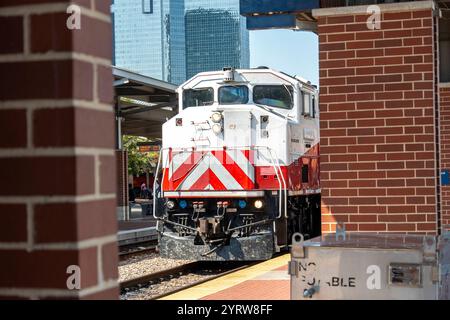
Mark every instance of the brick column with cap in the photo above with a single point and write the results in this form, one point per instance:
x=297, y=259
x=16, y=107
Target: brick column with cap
x=379, y=111
x=445, y=151
x=57, y=164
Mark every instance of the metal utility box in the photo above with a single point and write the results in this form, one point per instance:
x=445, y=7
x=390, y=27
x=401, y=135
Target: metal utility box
x=362, y=266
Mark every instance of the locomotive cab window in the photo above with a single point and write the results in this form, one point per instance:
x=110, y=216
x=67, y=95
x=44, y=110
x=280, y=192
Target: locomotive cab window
x=233, y=95
x=274, y=96
x=198, y=97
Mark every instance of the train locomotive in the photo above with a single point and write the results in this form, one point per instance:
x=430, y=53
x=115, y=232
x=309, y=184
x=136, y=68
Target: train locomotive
x=238, y=172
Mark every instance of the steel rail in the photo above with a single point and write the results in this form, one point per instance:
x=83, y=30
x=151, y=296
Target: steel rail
x=196, y=283
x=124, y=255
x=134, y=282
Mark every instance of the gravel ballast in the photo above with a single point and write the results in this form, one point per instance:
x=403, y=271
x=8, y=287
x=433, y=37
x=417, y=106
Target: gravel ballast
x=143, y=264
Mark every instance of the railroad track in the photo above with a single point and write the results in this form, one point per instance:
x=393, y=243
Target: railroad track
x=199, y=282
x=219, y=268
x=130, y=250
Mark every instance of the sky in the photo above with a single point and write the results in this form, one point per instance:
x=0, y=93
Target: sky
x=293, y=52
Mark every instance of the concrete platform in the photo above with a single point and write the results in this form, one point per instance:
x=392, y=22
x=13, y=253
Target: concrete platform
x=137, y=230
x=137, y=224
x=268, y=280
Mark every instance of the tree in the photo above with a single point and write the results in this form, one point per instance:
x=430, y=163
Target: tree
x=138, y=162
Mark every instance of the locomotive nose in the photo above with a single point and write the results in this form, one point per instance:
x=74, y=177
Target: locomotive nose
x=238, y=128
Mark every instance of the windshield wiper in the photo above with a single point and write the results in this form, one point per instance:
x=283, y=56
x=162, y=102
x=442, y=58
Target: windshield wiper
x=269, y=109
x=290, y=94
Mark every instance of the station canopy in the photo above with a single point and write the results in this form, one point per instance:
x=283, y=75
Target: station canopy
x=279, y=14
x=296, y=15
x=143, y=103
x=444, y=40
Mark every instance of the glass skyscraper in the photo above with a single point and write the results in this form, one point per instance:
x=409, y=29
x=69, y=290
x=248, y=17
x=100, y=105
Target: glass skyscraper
x=149, y=38
x=173, y=40
x=216, y=36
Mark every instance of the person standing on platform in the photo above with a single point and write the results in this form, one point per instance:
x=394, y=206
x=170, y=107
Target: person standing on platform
x=143, y=191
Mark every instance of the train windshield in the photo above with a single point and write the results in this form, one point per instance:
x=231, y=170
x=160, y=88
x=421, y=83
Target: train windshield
x=233, y=95
x=198, y=97
x=279, y=96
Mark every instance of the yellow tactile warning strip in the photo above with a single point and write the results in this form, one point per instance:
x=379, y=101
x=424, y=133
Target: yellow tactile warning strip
x=230, y=280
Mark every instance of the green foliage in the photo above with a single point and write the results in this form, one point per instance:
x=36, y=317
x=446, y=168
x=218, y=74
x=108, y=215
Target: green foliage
x=139, y=163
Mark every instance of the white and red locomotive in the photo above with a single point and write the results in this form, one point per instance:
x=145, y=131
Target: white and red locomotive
x=239, y=166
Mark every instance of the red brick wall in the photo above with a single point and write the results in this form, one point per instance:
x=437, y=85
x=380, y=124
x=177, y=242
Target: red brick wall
x=57, y=161
x=377, y=122
x=445, y=151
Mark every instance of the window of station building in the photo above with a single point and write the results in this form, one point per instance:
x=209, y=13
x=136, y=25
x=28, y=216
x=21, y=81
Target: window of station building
x=147, y=6
x=279, y=96
x=233, y=95
x=198, y=97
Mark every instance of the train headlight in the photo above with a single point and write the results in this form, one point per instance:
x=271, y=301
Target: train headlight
x=170, y=204
x=258, y=204
x=217, y=128
x=216, y=117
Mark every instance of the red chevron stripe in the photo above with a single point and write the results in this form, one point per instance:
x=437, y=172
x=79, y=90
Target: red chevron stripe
x=201, y=183
x=184, y=169
x=237, y=173
x=215, y=181
x=208, y=178
x=250, y=155
x=166, y=185
x=195, y=157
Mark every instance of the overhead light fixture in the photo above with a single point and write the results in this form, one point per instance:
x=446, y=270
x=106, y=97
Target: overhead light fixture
x=121, y=82
x=137, y=102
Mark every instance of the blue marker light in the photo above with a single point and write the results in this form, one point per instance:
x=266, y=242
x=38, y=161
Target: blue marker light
x=242, y=204
x=183, y=204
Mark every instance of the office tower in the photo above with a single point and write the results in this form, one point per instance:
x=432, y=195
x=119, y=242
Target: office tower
x=173, y=40
x=216, y=36
x=150, y=38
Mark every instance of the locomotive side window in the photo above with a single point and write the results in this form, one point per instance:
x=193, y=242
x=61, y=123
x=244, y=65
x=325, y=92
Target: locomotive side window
x=313, y=106
x=307, y=105
x=274, y=96
x=198, y=97
x=233, y=95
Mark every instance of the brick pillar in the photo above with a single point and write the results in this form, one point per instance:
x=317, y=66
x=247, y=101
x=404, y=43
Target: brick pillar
x=445, y=150
x=57, y=162
x=122, y=185
x=378, y=111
